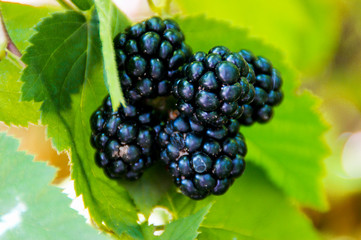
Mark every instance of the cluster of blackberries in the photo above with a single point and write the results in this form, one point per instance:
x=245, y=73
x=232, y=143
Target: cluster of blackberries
x=124, y=139
x=202, y=160
x=149, y=55
x=198, y=137
x=213, y=87
x=267, y=88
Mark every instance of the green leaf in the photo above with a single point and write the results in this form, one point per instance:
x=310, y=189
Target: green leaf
x=148, y=231
x=299, y=27
x=61, y=42
x=253, y=208
x=290, y=147
x=69, y=127
x=43, y=211
x=12, y=111
x=293, y=160
x=83, y=4
x=185, y=228
x=20, y=28
x=111, y=19
x=149, y=190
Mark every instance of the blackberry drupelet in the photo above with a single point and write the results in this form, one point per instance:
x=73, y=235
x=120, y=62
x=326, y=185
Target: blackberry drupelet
x=149, y=55
x=202, y=161
x=267, y=90
x=212, y=86
x=123, y=139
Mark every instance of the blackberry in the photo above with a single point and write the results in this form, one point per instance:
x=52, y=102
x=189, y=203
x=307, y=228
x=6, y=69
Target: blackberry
x=124, y=139
x=267, y=90
x=202, y=161
x=149, y=55
x=211, y=86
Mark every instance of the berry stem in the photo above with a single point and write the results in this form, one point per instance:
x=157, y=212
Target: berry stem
x=166, y=8
x=162, y=10
x=154, y=8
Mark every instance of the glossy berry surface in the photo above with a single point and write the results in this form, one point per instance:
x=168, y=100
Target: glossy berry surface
x=124, y=140
x=212, y=85
x=267, y=83
x=202, y=161
x=149, y=55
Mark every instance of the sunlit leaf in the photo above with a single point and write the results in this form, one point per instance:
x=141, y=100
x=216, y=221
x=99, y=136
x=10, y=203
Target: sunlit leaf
x=30, y=208
x=306, y=30
x=20, y=28
x=12, y=111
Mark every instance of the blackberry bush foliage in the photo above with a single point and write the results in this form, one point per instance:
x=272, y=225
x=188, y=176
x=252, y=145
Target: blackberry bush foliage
x=124, y=139
x=267, y=90
x=213, y=86
x=62, y=79
x=149, y=55
x=202, y=160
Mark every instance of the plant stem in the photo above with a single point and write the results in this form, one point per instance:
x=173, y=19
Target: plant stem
x=66, y=5
x=166, y=8
x=15, y=59
x=163, y=9
x=153, y=7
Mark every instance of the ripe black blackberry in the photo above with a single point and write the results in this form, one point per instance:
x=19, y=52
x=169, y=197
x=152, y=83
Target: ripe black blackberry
x=201, y=160
x=149, y=55
x=267, y=90
x=123, y=139
x=212, y=85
